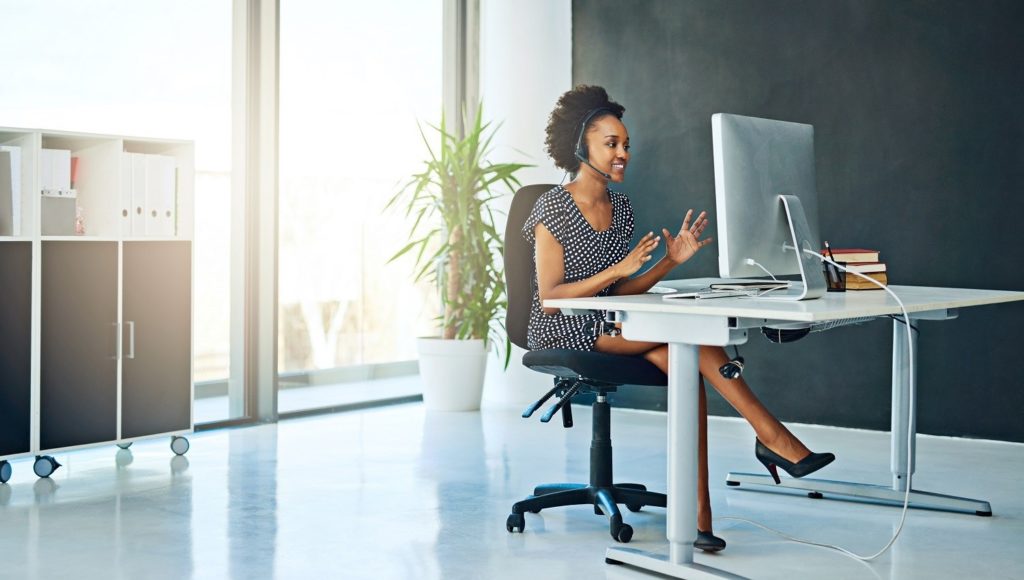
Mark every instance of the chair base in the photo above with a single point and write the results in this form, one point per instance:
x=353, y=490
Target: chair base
x=605, y=500
x=601, y=492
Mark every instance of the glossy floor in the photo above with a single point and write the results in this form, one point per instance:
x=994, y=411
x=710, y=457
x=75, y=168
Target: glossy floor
x=400, y=493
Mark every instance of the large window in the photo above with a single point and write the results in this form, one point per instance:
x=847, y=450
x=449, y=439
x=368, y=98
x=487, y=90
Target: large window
x=354, y=80
x=156, y=68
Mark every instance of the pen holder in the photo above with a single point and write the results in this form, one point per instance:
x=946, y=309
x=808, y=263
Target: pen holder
x=835, y=279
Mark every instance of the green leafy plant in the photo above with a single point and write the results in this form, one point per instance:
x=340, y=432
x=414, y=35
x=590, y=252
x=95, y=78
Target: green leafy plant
x=454, y=237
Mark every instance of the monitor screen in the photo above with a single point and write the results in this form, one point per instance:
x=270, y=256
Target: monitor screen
x=756, y=162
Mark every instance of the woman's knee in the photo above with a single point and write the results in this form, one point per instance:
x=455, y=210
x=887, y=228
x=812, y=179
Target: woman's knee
x=659, y=357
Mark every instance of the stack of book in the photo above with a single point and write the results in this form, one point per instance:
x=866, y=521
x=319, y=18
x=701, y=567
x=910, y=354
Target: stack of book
x=865, y=262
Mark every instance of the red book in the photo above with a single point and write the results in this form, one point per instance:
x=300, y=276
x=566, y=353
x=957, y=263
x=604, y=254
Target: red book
x=853, y=255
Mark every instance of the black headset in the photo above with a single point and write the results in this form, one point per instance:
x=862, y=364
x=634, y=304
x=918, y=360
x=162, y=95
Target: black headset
x=581, y=150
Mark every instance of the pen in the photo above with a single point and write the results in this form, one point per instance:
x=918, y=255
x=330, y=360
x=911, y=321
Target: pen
x=831, y=269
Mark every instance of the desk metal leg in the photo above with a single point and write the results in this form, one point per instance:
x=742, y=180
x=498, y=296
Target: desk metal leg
x=681, y=506
x=902, y=388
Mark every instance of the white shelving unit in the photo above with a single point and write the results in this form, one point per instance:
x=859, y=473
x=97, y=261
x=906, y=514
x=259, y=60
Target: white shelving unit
x=97, y=327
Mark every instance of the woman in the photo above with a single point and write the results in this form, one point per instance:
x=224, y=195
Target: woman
x=581, y=234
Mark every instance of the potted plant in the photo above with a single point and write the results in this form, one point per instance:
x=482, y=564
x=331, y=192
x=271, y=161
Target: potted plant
x=458, y=247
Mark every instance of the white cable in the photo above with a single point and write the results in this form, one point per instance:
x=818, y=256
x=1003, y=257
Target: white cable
x=753, y=262
x=910, y=407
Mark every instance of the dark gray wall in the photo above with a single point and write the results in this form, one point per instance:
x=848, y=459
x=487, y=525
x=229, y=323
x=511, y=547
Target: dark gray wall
x=918, y=109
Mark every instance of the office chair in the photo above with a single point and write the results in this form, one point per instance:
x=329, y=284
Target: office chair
x=575, y=373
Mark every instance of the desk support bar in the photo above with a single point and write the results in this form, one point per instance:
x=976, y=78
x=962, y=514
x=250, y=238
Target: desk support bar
x=904, y=417
x=900, y=463
x=681, y=508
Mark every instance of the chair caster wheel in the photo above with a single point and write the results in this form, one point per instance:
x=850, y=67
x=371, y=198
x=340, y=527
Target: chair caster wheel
x=634, y=507
x=815, y=495
x=624, y=534
x=515, y=521
x=45, y=465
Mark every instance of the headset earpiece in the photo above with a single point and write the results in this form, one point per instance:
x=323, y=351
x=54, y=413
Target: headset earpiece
x=581, y=148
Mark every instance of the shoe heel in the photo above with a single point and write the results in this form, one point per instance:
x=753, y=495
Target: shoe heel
x=772, y=469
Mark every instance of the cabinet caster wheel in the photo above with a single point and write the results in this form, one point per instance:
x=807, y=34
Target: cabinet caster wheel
x=125, y=445
x=45, y=465
x=179, y=445
x=732, y=483
x=634, y=507
x=612, y=562
x=624, y=534
x=815, y=495
x=5, y=471
x=515, y=521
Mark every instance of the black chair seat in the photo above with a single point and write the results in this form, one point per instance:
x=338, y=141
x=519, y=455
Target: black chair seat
x=607, y=368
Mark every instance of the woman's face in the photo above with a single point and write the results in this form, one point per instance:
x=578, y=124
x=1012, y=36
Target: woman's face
x=608, y=147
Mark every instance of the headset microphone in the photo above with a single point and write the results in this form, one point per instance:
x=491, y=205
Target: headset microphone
x=581, y=150
x=591, y=165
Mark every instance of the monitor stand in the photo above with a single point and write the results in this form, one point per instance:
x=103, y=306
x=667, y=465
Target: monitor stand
x=812, y=282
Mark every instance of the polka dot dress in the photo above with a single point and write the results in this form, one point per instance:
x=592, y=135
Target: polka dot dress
x=587, y=252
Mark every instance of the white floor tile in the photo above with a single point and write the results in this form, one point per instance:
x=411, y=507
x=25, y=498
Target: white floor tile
x=399, y=493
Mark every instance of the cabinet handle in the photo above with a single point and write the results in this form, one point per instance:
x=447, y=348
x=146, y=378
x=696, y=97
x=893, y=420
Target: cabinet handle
x=131, y=339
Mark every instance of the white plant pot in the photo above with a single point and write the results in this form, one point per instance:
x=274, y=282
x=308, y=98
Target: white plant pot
x=452, y=372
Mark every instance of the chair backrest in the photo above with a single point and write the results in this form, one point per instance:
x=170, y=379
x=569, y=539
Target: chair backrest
x=519, y=263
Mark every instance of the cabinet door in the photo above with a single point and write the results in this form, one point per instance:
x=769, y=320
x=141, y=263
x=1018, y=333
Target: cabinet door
x=78, y=356
x=15, y=346
x=156, y=375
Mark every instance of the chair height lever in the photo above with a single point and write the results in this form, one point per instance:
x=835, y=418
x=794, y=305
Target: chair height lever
x=536, y=404
x=561, y=402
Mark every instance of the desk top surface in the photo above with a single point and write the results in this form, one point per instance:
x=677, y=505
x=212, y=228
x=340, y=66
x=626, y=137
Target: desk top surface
x=832, y=306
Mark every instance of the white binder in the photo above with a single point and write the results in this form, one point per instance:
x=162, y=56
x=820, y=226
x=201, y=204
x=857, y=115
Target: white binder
x=7, y=195
x=14, y=182
x=125, y=207
x=55, y=172
x=160, y=189
x=138, y=195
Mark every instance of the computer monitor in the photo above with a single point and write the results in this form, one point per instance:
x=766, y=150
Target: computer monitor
x=767, y=204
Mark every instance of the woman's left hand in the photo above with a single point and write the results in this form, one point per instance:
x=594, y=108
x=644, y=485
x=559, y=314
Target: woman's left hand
x=682, y=247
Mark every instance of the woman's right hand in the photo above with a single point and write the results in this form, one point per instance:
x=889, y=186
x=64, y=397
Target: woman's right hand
x=640, y=255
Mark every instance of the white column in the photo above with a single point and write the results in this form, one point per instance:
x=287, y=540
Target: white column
x=253, y=380
x=525, y=65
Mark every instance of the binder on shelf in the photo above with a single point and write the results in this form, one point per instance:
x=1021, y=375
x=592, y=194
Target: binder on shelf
x=125, y=207
x=59, y=201
x=55, y=173
x=138, y=194
x=8, y=194
x=15, y=188
x=160, y=186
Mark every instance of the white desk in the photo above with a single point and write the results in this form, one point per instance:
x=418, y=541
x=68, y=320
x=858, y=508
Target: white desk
x=684, y=325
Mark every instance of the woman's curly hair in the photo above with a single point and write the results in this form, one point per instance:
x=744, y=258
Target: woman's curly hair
x=564, y=122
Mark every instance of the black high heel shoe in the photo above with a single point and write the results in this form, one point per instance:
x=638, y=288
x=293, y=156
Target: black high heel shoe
x=805, y=466
x=708, y=542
